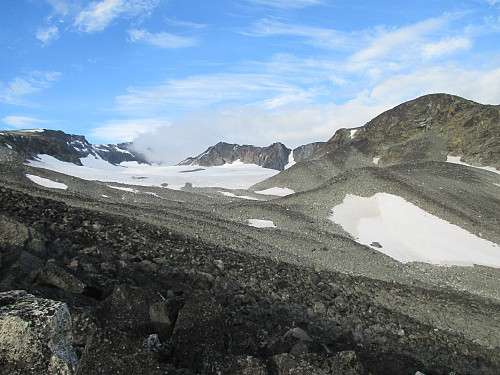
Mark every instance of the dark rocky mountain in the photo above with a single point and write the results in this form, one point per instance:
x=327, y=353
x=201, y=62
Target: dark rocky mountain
x=275, y=156
x=429, y=128
x=27, y=144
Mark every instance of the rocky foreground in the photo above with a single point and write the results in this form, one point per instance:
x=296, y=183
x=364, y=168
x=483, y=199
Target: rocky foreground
x=145, y=299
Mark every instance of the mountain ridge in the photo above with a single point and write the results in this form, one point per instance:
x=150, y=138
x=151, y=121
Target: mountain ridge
x=27, y=144
x=276, y=156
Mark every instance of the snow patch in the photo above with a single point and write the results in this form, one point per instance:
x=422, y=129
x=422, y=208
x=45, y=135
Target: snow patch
x=46, y=182
x=457, y=160
x=291, y=161
x=405, y=232
x=232, y=195
x=130, y=190
x=8, y=146
x=259, y=223
x=353, y=131
x=376, y=160
x=280, y=192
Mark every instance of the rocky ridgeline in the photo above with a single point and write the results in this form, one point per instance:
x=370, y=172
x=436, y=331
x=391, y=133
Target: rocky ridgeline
x=144, y=300
x=20, y=145
x=275, y=156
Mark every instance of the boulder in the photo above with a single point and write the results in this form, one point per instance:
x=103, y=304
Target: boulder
x=35, y=335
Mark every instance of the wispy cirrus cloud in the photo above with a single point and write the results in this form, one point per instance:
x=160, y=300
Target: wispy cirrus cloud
x=22, y=122
x=162, y=39
x=320, y=37
x=100, y=14
x=202, y=91
x=14, y=91
x=292, y=4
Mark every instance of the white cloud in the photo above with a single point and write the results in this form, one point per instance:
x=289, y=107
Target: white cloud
x=397, y=45
x=18, y=87
x=48, y=34
x=22, y=122
x=127, y=129
x=163, y=39
x=100, y=14
x=445, y=46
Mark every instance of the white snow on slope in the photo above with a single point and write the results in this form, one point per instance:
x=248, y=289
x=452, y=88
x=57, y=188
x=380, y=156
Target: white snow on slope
x=280, y=192
x=457, y=160
x=46, y=182
x=232, y=195
x=259, y=223
x=353, y=131
x=229, y=176
x=407, y=233
x=291, y=161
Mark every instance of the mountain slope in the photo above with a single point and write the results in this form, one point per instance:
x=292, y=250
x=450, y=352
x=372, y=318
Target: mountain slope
x=429, y=128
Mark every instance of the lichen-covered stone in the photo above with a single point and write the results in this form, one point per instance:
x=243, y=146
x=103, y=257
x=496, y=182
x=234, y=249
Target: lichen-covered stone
x=35, y=335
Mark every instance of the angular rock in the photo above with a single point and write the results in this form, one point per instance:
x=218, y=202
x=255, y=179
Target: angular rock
x=35, y=335
x=62, y=279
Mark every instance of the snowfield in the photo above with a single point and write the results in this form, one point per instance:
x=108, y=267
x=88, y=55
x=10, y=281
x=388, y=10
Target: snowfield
x=229, y=176
x=46, y=182
x=405, y=232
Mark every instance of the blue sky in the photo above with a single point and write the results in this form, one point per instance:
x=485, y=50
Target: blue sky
x=177, y=76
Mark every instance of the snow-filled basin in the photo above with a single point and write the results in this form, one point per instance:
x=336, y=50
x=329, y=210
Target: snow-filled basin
x=405, y=232
x=229, y=176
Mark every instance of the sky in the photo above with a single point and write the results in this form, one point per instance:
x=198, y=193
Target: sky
x=177, y=76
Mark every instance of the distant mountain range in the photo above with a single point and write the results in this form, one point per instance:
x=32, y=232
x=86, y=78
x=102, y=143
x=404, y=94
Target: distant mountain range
x=429, y=128
x=276, y=156
x=27, y=144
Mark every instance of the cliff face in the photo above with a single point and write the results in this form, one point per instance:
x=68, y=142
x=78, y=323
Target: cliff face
x=26, y=144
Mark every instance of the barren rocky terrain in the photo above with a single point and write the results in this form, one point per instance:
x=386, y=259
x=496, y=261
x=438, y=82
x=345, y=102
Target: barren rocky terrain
x=162, y=281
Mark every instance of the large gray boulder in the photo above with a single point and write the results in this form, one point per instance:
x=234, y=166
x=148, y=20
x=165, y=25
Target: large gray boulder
x=35, y=335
